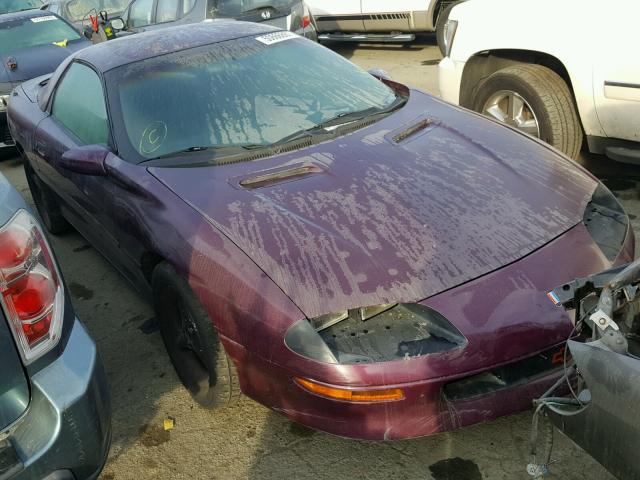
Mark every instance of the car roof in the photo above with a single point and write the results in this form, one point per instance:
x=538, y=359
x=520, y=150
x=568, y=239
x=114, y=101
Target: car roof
x=141, y=46
x=8, y=17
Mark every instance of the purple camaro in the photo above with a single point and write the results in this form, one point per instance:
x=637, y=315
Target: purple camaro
x=363, y=258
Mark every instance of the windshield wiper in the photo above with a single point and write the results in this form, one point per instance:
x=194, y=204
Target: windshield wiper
x=224, y=150
x=350, y=117
x=319, y=131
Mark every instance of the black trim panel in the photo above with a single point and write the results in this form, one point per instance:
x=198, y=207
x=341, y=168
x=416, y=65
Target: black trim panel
x=374, y=16
x=607, y=83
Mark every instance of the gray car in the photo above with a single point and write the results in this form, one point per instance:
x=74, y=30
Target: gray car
x=55, y=415
x=293, y=15
x=32, y=43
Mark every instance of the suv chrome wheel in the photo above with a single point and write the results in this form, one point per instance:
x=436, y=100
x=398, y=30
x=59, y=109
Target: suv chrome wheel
x=509, y=107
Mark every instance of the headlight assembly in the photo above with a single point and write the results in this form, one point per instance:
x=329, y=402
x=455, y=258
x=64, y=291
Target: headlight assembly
x=378, y=333
x=449, y=34
x=606, y=222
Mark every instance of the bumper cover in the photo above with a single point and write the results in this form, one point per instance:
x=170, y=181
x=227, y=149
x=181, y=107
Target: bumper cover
x=450, y=79
x=67, y=428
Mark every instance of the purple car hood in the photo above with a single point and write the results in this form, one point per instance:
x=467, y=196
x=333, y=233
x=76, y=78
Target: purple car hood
x=379, y=216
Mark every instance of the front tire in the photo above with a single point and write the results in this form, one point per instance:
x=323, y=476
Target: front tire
x=533, y=99
x=192, y=341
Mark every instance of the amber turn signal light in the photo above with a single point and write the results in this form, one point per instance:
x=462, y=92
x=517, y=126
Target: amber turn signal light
x=345, y=395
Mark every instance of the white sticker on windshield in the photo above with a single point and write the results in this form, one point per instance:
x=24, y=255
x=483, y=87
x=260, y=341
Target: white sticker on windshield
x=47, y=18
x=271, y=38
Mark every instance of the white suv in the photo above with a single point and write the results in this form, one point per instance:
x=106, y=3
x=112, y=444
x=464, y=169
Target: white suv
x=563, y=71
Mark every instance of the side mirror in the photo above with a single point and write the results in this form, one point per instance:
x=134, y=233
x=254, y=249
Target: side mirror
x=86, y=160
x=118, y=23
x=379, y=73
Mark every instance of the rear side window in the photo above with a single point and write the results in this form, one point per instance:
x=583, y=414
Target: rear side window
x=140, y=14
x=79, y=105
x=81, y=9
x=167, y=11
x=187, y=5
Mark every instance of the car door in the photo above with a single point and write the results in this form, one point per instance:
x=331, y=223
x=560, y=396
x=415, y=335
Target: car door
x=385, y=16
x=337, y=15
x=77, y=117
x=616, y=77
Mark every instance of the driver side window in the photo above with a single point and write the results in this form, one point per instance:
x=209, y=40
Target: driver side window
x=79, y=105
x=140, y=13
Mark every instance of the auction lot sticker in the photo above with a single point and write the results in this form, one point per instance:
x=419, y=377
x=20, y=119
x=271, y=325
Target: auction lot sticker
x=48, y=18
x=277, y=37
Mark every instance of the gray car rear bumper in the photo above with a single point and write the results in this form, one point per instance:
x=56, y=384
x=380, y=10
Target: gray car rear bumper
x=66, y=431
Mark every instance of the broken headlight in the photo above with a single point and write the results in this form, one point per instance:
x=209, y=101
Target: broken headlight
x=374, y=334
x=606, y=222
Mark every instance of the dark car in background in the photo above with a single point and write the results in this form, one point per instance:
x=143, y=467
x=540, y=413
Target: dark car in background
x=292, y=15
x=8, y=6
x=55, y=415
x=357, y=255
x=77, y=12
x=32, y=43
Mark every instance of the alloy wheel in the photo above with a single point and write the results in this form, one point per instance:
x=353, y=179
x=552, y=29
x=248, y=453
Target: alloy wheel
x=509, y=107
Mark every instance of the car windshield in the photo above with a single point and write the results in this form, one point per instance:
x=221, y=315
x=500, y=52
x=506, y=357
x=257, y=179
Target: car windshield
x=78, y=10
x=34, y=31
x=238, y=93
x=7, y=6
x=231, y=8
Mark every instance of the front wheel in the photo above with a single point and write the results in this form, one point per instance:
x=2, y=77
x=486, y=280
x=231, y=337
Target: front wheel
x=192, y=341
x=535, y=100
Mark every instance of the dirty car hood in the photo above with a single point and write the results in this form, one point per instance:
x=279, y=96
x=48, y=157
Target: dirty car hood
x=377, y=220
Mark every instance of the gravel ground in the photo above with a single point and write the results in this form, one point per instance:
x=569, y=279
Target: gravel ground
x=247, y=440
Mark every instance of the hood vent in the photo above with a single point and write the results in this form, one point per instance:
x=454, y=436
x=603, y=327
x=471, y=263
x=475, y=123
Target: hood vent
x=412, y=130
x=272, y=177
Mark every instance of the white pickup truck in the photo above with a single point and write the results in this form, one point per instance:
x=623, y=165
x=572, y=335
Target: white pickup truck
x=375, y=20
x=565, y=71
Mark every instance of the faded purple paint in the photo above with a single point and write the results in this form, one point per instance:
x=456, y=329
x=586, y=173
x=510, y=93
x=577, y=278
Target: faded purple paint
x=477, y=218
x=387, y=222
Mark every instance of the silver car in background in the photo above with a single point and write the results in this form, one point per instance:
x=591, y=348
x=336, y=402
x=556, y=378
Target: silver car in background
x=292, y=15
x=77, y=12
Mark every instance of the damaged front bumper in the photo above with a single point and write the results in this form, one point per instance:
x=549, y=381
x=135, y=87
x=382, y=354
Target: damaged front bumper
x=510, y=325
